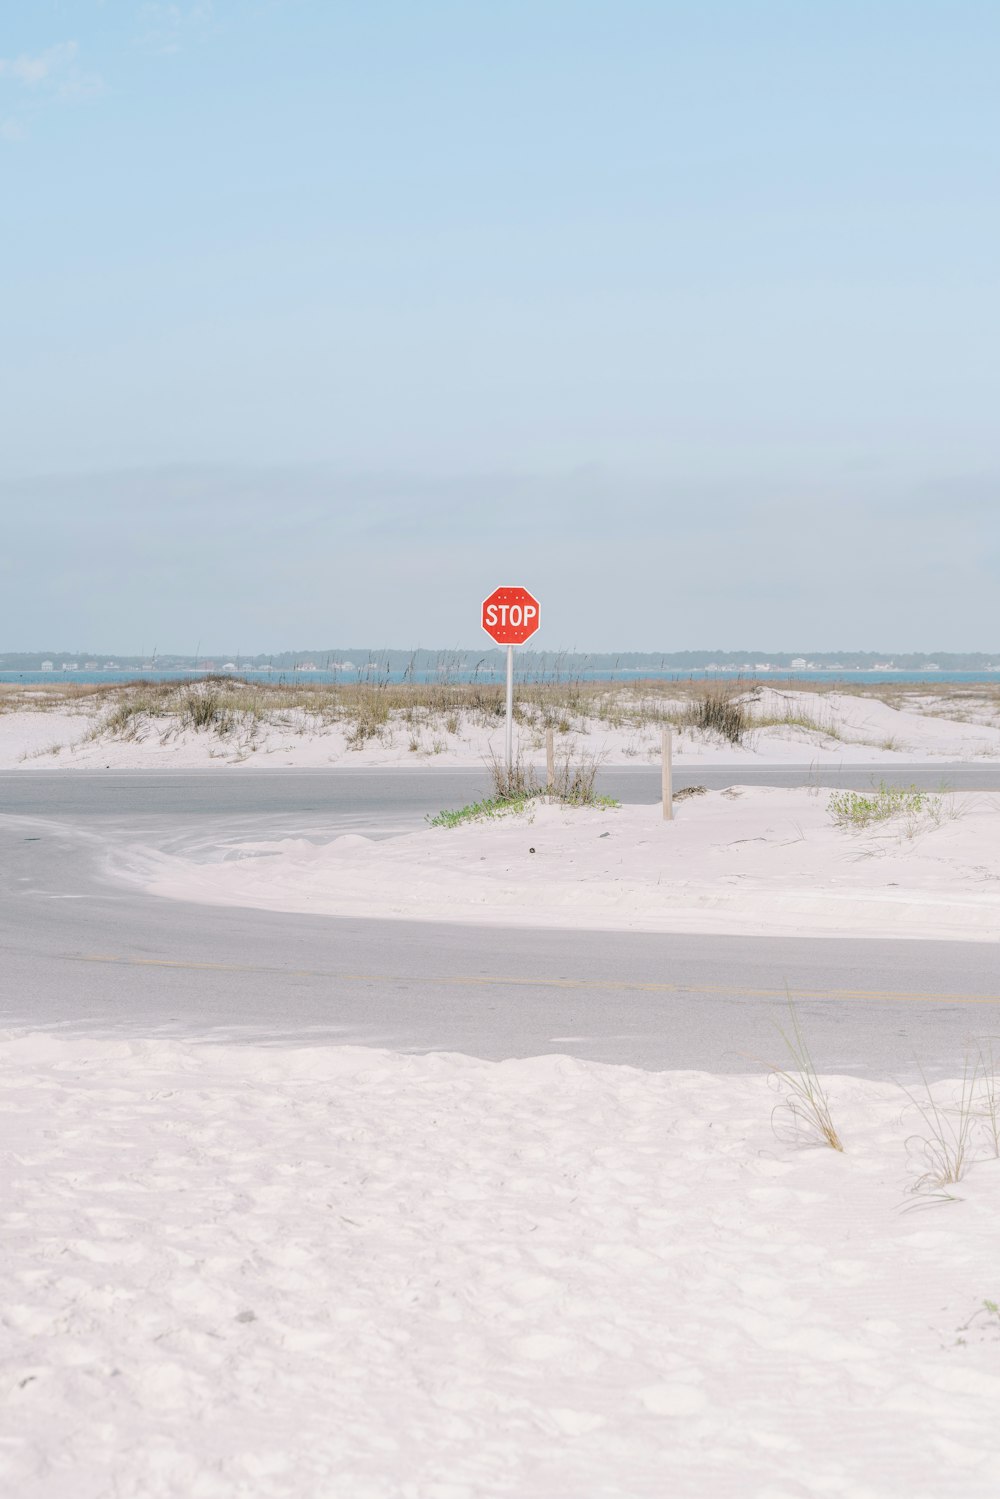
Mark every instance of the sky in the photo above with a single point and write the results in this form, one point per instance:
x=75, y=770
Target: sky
x=323, y=318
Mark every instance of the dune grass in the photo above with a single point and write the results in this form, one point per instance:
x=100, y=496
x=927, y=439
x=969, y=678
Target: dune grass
x=803, y=1115
x=516, y=787
x=951, y=1136
x=369, y=707
x=944, y=1147
x=723, y=709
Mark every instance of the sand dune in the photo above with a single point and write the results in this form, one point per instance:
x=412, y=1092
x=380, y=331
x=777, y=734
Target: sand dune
x=746, y=860
x=239, y=1270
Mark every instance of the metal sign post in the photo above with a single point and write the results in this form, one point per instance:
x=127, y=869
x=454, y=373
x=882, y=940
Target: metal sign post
x=510, y=707
x=510, y=616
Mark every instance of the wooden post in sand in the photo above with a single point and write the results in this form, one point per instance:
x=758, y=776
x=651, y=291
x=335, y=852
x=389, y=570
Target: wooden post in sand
x=666, y=751
x=550, y=759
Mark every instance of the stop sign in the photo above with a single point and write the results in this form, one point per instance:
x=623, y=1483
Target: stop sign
x=510, y=615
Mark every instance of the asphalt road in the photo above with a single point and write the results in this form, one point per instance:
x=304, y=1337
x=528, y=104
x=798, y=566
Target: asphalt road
x=234, y=791
x=80, y=952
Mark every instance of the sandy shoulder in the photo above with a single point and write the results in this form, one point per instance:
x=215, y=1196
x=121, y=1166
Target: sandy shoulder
x=245, y=1270
x=746, y=860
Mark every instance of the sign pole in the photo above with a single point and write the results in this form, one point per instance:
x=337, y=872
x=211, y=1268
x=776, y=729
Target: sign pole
x=510, y=617
x=510, y=709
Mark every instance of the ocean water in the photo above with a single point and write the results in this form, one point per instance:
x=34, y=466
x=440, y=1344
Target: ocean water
x=672, y=674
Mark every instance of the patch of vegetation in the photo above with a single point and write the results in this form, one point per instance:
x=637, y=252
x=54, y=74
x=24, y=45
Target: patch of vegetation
x=856, y=809
x=132, y=707
x=952, y=1136
x=205, y=710
x=512, y=781
x=369, y=707
x=797, y=719
x=497, y=806
x=803, y=1115
x=493, y=806
x=515, y=788
x=574, y=781
x=945, y=1146
x=983, y=1326
x=724, y=711
x=369, y=718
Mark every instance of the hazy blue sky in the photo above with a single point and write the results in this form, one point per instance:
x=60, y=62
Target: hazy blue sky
x=320, y=319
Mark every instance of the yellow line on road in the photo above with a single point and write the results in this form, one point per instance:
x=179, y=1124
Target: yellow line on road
x=479, y=980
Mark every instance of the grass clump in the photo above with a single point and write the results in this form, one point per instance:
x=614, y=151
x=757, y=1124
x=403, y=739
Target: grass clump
x=131, y=709
x=515, y=788
x=856, y=809
x=989, y=1095
x=574, y=781
x=204, y=710
x=944, y=1147
x=367, y=714
x=512, y=781
x=722, y=711
x=492, y=806
x=798, y=719
x=123, y=722
x=804, y=1112
x=957, y=1133
x=499, y=806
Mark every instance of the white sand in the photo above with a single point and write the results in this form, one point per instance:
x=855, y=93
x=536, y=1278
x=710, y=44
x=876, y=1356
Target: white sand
x=244, y=1273
x=747, y=860
x=852, y=730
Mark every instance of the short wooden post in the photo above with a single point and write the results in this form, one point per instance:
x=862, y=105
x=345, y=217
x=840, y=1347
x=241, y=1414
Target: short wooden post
x=666, y=750
x=550, y=759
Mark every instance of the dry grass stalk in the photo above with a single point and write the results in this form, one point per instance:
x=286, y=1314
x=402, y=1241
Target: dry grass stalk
x=944, y=1149
x=804, y=1113
x=723, y=709
x=989, y=1094
x=514, y=782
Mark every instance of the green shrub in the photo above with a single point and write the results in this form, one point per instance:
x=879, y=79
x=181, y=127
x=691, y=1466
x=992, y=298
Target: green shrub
x=855, y=809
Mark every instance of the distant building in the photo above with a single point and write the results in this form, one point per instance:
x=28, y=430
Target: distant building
x=799, y=664
x=71, y=666
x=47, y=666
x=90, y=666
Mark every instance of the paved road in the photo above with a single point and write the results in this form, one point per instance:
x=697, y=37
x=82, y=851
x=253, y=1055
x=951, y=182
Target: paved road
x=80, y=952
x=234, y=791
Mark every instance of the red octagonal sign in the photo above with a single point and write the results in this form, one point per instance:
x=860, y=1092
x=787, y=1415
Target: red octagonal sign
x=510, y=615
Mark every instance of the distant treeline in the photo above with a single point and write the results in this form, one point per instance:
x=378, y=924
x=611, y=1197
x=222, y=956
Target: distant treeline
x=549, y=663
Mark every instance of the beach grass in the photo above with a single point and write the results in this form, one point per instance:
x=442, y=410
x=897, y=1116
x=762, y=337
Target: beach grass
x=367, y=707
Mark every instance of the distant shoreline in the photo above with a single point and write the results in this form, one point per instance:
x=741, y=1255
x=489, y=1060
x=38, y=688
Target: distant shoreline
x=491, y=673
